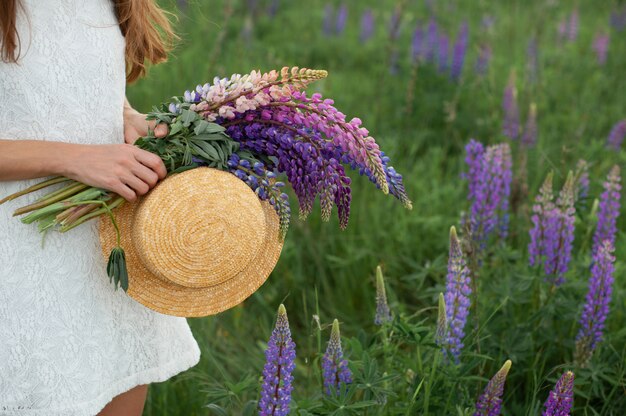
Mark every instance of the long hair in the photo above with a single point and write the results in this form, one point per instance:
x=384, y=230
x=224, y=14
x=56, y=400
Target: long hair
x=149, y=35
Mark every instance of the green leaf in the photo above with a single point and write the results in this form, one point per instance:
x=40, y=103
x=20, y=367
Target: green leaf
x=188, y=117
x=211, y=136
x=176, y=127
x=205, y=150
x=200, y=127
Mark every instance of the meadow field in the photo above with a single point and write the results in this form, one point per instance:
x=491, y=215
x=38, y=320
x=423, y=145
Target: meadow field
x=424, y=93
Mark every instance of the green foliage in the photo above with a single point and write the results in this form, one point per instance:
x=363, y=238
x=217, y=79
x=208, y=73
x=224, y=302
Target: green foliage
x=421, y=120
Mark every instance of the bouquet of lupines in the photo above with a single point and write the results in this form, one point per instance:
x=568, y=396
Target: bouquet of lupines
x=256, y=126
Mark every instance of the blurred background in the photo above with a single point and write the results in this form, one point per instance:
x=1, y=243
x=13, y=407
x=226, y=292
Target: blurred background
x=404, y=68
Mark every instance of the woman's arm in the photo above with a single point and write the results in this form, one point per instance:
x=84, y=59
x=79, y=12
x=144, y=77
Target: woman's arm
x=122, y=168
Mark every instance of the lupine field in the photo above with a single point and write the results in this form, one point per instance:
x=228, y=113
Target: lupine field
x=503, y=289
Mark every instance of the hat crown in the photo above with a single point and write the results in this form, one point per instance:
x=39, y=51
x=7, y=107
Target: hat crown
x=199, y=228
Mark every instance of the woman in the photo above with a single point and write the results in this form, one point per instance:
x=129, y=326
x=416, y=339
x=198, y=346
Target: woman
x=69, y=343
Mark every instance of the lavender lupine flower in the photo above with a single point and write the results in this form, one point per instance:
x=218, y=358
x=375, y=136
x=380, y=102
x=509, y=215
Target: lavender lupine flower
x=487, y=22
x=441, y=334
x=342, y=18
x=572, y=29
x=432, y=41
x=582, y=180
x=327, y=25
x=561, y=398
x=511, y=123
x=609, y=208
x=489, y=178
x=417, y=43
x=544, y=203
x=280, y=357
x=601, y=47
x=482, y=61
x=334, y=367
x=442, y=58
x=457, y=298
x=616, y=136
x=618, y=19
x=367, y=26
x=272, y=8
x=529, y=138
x=597, y=300
x=532, y=60
x=460, y=48
x=562, y=30
x=490, y=402
x=383, y=314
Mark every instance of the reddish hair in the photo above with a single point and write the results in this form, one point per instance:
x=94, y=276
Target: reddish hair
x=148, y=32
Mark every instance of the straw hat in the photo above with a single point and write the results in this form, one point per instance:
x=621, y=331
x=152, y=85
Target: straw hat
x=200, y=242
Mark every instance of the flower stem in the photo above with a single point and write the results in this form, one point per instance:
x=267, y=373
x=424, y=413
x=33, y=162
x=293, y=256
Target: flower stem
x=40, y=185
x=67, y=192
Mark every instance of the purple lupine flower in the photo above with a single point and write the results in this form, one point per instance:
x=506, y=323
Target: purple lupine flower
x=572, y=28
x=334, y=367
x=432, y=41
x=280, y=357
x=272, y=8
x=367, y=26
x=601, y=47
x=417, y=43
x=489, y=179
x=609, y=208
x=616, y=136
x=560, y=232
x=529, y=137
x=460, y=48
x=582, y=175
x=561, y=398
x=597, y=300
x=383, y=314
x=394, y=23
x=327, y=26
x=532, y=60
x=511, y=123
x=457, y=298
x=543, y=204
x=442, y=58
x=618, y=19
x=487, y=22
x=482, y=61
x=394, y=67
x=342, y=18
x=490, y=402
x=441, y=334
x=562, y=30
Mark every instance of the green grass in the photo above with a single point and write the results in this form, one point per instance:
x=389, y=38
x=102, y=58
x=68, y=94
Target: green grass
x=329, y=273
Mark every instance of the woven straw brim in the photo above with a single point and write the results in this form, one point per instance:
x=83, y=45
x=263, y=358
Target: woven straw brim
x=236, y=273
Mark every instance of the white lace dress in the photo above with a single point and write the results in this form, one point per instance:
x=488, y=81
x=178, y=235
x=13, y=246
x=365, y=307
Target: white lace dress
x=69, y=343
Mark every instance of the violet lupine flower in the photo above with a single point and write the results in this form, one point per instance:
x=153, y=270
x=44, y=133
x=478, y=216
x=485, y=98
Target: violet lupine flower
x=560, y=233
x=272, y=8
x=532, y=60
x=511, y=123
x=609, y=207
x=394, y=68
x=432, y=41
x=444, y=46
x=482, y=61
x=562, y=30
x=383, y=314
x=334, y=367
x=597, y=300
x=457, y=299
x=489, y=179
x=616, y=136
x=342, y=18
x=394, y=23
x=487, y=22
x=441, y=334
x=367, y=26
x=529, y=138
x=601, y=47
x=572, y=29
x=327, y=25
x=460, y=48
x=582, y=179
x=490, y=402
x=543, y=204
x=561, y=398
x=280, y=357
x=618, y=19
x=417, y=43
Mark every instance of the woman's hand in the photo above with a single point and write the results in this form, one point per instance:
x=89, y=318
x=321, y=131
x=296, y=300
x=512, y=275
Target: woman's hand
x=136, y=125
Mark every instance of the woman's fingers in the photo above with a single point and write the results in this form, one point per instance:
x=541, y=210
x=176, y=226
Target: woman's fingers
x=160, y=130
x=151, y=160
x=139, y=186
x=145, y=174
